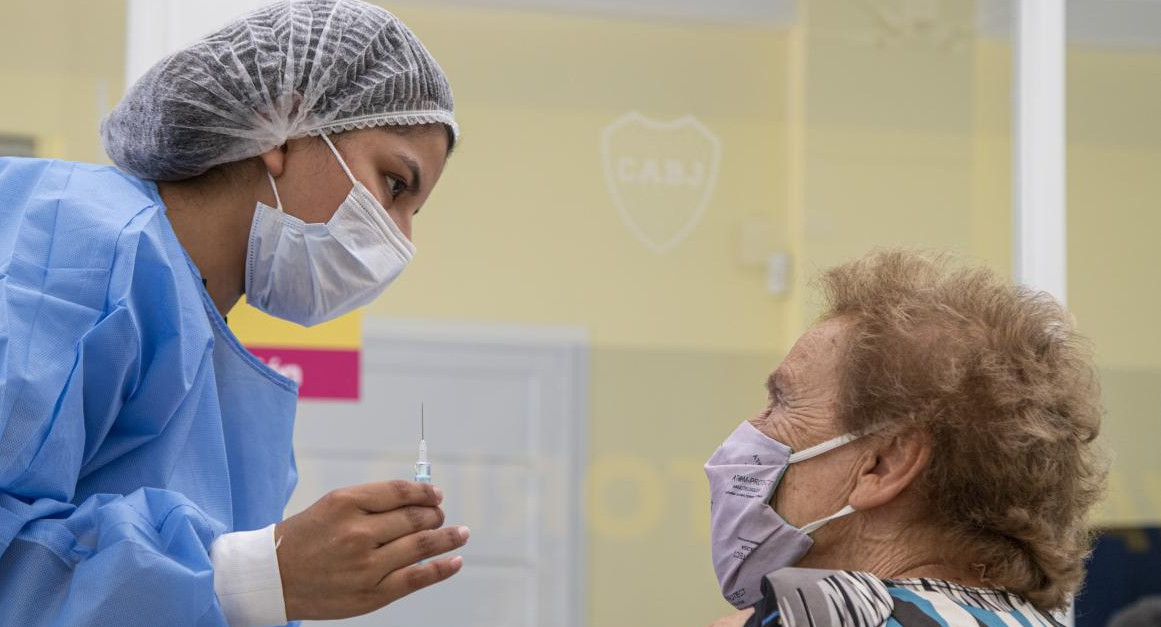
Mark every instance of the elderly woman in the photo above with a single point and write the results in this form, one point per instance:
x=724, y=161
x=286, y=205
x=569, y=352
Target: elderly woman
x=925, y=457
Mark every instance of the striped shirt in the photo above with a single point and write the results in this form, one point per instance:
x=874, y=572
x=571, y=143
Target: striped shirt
x=801, y=597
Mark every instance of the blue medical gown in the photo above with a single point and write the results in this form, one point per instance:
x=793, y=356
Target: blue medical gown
x=134, y=428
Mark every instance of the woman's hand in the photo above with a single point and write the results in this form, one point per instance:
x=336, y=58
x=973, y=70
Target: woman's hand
x=737, y=619
x=357, y=549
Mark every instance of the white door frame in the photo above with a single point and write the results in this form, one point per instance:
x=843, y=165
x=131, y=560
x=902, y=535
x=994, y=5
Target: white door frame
x=1039, y=196
x=1039, y=191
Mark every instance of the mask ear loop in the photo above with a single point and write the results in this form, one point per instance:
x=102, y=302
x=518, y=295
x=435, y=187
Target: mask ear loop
x=829, y=445
x=340, y=158
x=277, y=200
x=817, y=450
x=825, y=447
x=816, y=525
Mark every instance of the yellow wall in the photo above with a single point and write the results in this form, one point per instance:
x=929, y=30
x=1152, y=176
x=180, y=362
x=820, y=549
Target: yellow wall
x=62, y=66
x=1114, y=189
x=523, y=229
x=890, y=151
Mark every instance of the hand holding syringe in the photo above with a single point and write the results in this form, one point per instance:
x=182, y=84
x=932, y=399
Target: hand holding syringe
x=329, y=552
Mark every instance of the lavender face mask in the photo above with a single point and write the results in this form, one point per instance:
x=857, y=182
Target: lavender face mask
x=750, y=540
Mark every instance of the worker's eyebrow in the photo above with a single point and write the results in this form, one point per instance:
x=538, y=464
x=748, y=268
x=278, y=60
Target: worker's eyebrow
x=416, y=173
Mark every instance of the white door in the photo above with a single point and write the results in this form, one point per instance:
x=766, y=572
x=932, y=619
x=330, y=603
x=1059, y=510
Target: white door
x=505, y=432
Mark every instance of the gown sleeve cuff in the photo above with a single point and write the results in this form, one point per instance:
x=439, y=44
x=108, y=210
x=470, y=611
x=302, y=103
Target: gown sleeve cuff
x=246, y=578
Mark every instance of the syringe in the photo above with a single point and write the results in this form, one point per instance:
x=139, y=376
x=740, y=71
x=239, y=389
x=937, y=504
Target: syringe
x=422, y=468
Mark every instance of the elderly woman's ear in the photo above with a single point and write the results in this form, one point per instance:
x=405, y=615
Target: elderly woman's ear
x=891, y=463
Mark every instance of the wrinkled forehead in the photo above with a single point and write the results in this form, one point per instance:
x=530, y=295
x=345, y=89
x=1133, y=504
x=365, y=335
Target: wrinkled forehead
x=818, y=352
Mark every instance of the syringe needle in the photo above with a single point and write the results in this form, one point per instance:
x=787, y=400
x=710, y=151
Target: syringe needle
x=422, y=467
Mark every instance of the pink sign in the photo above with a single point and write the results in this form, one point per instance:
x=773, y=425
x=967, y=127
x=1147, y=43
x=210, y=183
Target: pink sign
x=320, y=373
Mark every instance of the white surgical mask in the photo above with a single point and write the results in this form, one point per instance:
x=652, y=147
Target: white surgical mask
x=311, y=273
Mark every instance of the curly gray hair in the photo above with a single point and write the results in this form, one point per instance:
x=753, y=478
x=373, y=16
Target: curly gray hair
x=1006, y=389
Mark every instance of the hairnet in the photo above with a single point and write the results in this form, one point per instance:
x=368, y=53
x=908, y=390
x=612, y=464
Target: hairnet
x=288, y=70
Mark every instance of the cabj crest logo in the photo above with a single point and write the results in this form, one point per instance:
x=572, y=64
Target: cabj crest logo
x=660, y=175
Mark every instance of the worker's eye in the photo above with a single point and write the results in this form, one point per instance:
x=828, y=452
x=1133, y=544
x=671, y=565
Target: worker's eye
x=395, y=186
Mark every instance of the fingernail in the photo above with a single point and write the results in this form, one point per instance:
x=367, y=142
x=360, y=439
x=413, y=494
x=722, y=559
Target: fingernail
x=438, y=492
x=456, y=562
x=464, y=532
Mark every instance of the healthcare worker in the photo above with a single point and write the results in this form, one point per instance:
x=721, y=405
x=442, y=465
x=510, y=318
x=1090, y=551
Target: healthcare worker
x=145, y=456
